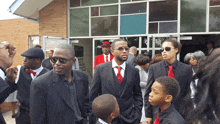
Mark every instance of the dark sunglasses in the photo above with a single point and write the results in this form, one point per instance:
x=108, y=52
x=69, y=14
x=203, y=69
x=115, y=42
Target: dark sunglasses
x=166, y=49
x=122, y=48
x=61, y=60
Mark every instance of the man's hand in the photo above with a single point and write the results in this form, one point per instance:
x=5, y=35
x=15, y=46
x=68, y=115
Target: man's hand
x=9, y=47
x=148, y=120
x=12, y=73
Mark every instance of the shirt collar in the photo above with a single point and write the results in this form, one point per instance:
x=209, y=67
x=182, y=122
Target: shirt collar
x=2, y=73
x=114, y=64
x=106, y=55
x=101, y=121
x=38, y=70
x=174, y=64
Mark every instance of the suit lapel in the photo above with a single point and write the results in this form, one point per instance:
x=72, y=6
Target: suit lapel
x=109, y=77
x=62, y=89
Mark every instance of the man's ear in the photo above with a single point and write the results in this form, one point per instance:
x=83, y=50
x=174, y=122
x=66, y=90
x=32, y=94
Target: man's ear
x=168, y=98
x=112, y=51
x=74, y=60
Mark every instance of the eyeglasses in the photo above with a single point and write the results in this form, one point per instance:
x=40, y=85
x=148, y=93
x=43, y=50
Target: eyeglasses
x=166, y=49
x=61, y=60
x=122, y=48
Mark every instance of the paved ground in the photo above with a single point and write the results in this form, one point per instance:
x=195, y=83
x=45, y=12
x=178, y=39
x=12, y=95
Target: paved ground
x=8, y=118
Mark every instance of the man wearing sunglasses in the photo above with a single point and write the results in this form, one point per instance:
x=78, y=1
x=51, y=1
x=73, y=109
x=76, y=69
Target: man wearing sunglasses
x=106, y=56
x=30, y=70
x=170, y=67
x=61, y=95
x=121, y=80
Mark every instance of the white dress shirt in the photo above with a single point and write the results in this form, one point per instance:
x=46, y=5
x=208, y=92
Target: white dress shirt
x=105, y=57
x=114, y=64
x=2, y=74
x=101, y=121
x=37, y=72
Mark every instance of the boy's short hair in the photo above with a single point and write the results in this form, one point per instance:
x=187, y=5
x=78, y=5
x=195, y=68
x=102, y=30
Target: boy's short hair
x=103, y=106
x=171, y=86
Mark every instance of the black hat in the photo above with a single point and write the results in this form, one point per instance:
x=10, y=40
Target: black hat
x=34, y=53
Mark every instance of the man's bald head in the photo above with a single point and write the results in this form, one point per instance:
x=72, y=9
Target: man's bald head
x=133, y=50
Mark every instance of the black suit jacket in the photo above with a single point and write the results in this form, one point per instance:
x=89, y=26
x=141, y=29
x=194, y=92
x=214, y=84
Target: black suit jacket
x=131, y=59
x=182, y=73
x=50, y=101
x=130, y=101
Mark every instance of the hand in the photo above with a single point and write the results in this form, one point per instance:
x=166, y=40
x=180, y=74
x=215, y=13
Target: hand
x=12, y=73
x=148, y=120
x=6, y=57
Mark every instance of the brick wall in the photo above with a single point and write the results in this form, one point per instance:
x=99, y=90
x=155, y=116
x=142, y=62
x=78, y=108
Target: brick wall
x=53, y=19
x=16, y=31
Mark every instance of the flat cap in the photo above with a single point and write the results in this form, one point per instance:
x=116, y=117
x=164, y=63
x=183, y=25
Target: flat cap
x=34, y=53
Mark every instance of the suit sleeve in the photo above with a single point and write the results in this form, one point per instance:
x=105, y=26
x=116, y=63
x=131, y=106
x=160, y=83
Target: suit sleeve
x=137, y=95
x=150, y=81
x=6, y=88
x=86, y=105
x=95, y=90
x=37, y=103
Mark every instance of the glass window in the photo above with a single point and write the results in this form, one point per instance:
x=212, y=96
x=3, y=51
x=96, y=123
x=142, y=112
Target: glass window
x=133, y=8
x=132, y=41
x=133, y=24
x=79, y=22
x=102, y=26
x=125, y=0
x=97, y=2
x=139, y=0
x=151, y=42
x=163, y=10
x=144, y=42
x=214, y=2
x=95, y=11
x=74, y=3
x=153, y=28
x=168, y=27
x=214, y=19
x=108, y=10
x=33, y=40
x=193, y=16
x=157, y=52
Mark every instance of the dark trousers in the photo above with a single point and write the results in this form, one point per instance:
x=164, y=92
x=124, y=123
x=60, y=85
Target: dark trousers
x=23, y=117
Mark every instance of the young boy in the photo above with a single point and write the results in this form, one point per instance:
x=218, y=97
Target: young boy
x=163, y=91
x=105, y=107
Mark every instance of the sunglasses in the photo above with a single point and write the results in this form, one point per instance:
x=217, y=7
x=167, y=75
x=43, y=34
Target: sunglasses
x=166, y=49
x=61, y=60
x=122, y=48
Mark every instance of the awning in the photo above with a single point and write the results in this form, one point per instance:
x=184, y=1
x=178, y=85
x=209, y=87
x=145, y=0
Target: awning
x=28, y=8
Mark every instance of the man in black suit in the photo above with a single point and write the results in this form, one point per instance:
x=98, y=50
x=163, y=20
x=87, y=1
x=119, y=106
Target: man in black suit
x=122, y=81
x=30, y=70
x=61, y=95
x=7, y=85
x=171, y=67
x=131, y=56
x=46, y=62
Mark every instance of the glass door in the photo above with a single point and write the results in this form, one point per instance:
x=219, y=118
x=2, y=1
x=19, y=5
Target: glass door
x=97, y=43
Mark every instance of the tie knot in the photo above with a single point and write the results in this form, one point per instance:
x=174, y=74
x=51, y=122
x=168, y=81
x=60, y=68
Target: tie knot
x=119, y=68
x=170, y=66
x=30, y=71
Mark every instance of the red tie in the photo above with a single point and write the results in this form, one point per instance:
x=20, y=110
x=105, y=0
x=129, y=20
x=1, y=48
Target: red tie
x=120, y=78
x=157, y=120
x=106, y=58
x=29, y=71
x=170, y=72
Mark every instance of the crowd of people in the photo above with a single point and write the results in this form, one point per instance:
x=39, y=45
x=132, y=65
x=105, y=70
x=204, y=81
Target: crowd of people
x=126, y=88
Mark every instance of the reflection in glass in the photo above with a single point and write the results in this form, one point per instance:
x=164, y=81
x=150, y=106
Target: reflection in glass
x=133, y=8
x=163, y=10
x=214, y=2
x=151, y=42
x=193, y=16
x=168, y=27
x=97, y=2
x=157, y=52
x=214, y=19
x=153, y=28
x=125, y=0
x=79, y=22
x=132, y=41
x=133, y=24
x=74, y=3
x=102, y=26
x=158, y=41
x=108, y=10
x=95, y=11
x=144, y=42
